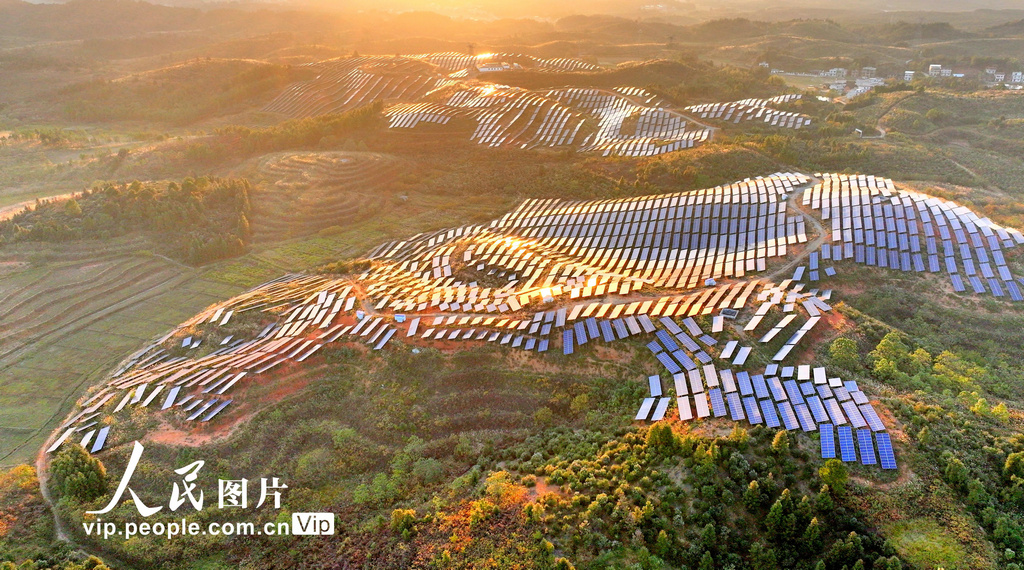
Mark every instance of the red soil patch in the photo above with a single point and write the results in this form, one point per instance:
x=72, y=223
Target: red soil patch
x=253, y=398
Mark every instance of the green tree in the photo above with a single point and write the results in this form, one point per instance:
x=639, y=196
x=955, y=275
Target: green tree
x=834, y=474
x=752, y=496
x=1000, y=412
x=73, y=208
x=844, y=353
x=78, y=475
x=780, y=444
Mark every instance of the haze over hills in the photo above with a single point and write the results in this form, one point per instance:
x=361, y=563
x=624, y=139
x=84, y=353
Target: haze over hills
x=479, y=284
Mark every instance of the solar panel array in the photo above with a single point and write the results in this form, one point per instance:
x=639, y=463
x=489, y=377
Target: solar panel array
x=585, y=272
x=759, y=110
x=613, y=122
x=876, y=224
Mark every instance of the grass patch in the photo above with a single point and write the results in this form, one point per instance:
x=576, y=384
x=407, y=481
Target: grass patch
x=927, y=545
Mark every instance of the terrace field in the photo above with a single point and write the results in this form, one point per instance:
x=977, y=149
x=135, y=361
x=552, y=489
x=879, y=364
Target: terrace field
x=554, y=287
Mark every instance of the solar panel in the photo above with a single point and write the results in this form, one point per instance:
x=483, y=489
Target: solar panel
x=655, y=384
x=760, y=387
x=828, y=442
x=771, y=418
x=683, y=359
x=775, y=385
x=846, y=447
x=787, y=415
x=101, y=440
x=717, y=404
x=645, y=409
x=735, y=406
x=567, y=342
x=871, y=417
x=668, y=363
x=679, y=379
x=817, y=410
x=753, y=413
x=867, y=448
x=666, y=339
x=850, y=407
x=659, y=413
x=804, y=416
x=885, y=452
x=793, y=391
x=700, y=400
x=606, y=331
x=835, y=413
x=728, y=380
x=581, y=333
x=685, y=413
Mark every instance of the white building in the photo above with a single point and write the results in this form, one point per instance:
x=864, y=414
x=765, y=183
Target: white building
x=1017, y=77
x=908, y=76
x=934, y=70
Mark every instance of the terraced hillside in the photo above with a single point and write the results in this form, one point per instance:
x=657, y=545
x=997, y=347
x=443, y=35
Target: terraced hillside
x=308, y=192
x=69, y=316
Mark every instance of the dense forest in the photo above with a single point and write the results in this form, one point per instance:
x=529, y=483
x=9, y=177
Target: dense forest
x=198, y=221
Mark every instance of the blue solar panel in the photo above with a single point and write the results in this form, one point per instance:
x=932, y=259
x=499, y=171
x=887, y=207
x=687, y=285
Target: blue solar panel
x=543, y=345
x=824, y=391
x=567, y=341
x=744, y=381
x=871, y=417
x=717, y=404
x=620, y=329
x=787, y=415
x=853, y=414
x=683, y=359
x=735, y=406
x=804, y=415
x=1015, y=293
x=760, y=387
x=654, y=347
x=846, y=447
x=835, y=413
x=703, y=357
x=666, y=339
x=581, y=333
x=592, y=330
x=771, y=418
x=687, y=342
x=606, y=331
x=867, y=448
x=753, y=414
x=997, y=290
x=885, y=454
x=807, y=389
x=958, y=283
x=814, y=404
x=794, y=392
x=828, y=442
x=668, y=363
x=778, y=394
